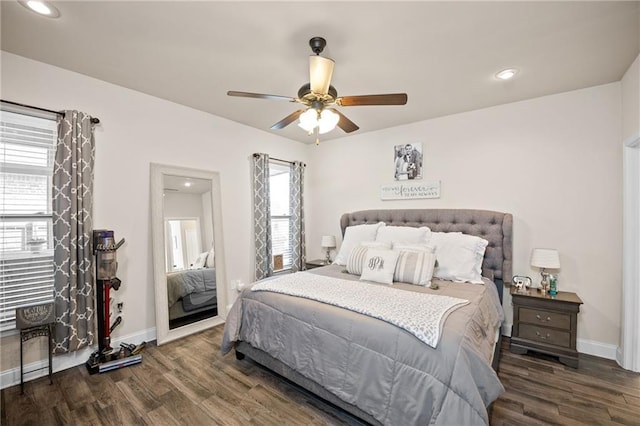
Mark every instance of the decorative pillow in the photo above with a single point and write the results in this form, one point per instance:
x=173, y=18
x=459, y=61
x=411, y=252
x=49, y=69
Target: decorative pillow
x=211, y=259
x=414, y=247
x=459, y=256
x=403, y=235
x=358, y=254
x=379, y=266
x=201, y=259
x=415, y=267
x=353, y=236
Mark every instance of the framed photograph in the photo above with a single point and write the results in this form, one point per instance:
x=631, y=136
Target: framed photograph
x=408, y=161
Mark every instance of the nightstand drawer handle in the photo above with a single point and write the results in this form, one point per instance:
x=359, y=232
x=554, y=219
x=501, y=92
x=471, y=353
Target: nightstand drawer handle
x=541, y=319
x=541, y=336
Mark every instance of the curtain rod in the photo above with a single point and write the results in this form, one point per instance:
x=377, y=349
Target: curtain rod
x=277, y=159
x=94, y=120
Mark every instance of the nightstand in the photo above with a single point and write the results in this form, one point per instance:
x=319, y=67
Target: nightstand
x=316, y=263
x=546, y=324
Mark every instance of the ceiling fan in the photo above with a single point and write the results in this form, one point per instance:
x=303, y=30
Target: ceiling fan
x=319, y=96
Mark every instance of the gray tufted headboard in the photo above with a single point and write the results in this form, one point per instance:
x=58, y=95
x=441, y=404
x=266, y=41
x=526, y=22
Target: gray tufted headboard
x=495, y=227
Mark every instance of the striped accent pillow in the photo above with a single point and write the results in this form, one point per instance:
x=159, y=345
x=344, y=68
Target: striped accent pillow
x=359, y=254
x=415, y=267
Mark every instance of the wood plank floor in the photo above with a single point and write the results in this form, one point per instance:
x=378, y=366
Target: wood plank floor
x=188, y=382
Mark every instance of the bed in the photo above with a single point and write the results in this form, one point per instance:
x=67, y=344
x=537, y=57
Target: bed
x=191, y=292
x=371, y=368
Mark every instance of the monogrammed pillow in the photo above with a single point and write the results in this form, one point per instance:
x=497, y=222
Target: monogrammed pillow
x=379, y=265
x=358, y=255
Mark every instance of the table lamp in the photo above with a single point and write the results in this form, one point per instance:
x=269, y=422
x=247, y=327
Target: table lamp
x=328, y=243
x=545, y=259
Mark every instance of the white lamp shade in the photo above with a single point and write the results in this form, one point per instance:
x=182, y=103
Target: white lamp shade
x=328, y=241
x=320, y=72
x=326, y=122
x=308, y=120
x=545, y=258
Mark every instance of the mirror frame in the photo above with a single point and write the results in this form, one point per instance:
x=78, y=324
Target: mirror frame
x=163, y=333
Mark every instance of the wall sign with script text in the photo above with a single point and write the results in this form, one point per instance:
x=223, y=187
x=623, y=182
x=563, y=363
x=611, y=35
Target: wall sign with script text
x=410, y=190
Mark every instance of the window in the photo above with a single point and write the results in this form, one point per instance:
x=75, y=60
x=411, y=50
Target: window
x=27, y=144
x=279, y=174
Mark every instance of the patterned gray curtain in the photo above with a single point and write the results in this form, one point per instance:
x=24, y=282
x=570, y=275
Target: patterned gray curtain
x=262, y=215
x=296, y=224
x=72, y=210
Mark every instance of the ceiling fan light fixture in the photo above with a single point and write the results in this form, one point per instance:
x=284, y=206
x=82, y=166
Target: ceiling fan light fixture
x=318, y=116
x=320, y=73
x=328, y=121
x=308, y=120
x=507, y=74
x=325, y=121
x=42, y=8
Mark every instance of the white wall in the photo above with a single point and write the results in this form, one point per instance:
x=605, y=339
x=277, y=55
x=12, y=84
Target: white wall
x=553, y=162
x=135, y=130
x=631, y=101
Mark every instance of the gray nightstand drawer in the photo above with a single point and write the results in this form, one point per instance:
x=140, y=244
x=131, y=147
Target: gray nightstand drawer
x=546, y=318
x=545, y=335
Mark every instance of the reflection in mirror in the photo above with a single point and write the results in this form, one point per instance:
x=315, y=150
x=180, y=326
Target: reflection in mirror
x=183, y=243
x=188, y=259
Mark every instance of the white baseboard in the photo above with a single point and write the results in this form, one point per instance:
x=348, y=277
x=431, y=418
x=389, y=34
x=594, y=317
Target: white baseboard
x=599, y=349
x=62, y=362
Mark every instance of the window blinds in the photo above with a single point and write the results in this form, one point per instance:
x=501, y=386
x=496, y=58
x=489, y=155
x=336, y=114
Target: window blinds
x=27, y=146
x=280, y=212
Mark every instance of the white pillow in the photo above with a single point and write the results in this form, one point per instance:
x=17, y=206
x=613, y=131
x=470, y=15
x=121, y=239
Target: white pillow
x=414, y=247
x=459, y=256
x=199, y=263
x=211, y=259
x=415, y=267
x=379, y=266
x=358, y=254
x=353, y=236
x=403, y=235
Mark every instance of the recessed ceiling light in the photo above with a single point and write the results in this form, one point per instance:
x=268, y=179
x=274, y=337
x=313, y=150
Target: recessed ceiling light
x=507, y=74
x=43, y=8
x=187, y=184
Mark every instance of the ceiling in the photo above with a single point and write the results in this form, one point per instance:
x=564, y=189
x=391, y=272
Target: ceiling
x=444, y=55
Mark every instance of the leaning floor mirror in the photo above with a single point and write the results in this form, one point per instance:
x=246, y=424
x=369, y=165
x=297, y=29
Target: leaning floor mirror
x=188, y=255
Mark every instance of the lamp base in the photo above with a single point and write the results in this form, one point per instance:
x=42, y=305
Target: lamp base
x=544, y=284
x=327, y=257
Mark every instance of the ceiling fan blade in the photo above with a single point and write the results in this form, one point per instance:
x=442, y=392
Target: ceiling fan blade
x=261, y=96
x=388, y=99
x=344, y=123
x=287, y=120
x=320, y=71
